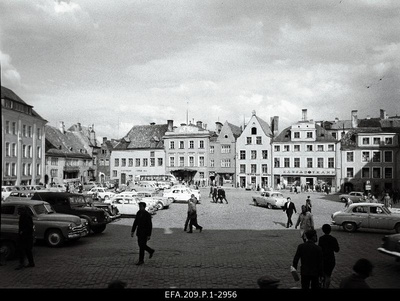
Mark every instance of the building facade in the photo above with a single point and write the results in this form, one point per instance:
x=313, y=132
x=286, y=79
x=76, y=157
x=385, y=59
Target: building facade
x=23, y=141
x=103, y=160
x=305, y=154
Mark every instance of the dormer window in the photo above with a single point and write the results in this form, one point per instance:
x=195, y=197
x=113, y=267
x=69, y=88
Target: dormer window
x=254, y=131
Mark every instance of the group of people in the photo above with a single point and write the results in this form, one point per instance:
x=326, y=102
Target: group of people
x=218, y=195
x=386, y=200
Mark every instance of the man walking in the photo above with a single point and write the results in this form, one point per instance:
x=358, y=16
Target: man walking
x=144, y=227
x=25, y=238
x=329, y=246
x=311, y=261
x=192, y=214
x=289, y=207
x=221, y=195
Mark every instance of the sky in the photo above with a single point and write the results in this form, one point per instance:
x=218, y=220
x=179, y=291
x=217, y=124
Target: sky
x=116, y=64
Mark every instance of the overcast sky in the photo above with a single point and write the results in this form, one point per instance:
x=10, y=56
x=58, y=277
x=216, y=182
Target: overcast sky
x=116, y=64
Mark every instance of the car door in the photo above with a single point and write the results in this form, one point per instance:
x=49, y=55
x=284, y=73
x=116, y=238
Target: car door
x=9, y=215
x=379, y=219
x=263, y=199
x=360, y=216
x=132, y=206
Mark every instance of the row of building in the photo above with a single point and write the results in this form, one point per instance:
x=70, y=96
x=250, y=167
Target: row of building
x=354, y=154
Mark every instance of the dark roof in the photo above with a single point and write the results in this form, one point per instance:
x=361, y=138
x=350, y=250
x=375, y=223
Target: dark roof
x=265, y=126
x=83, y=132
x=143, y=136
x=322, y=135
x=9, y=94
x=67, y=144
x=236, y=130
x=370, y=122
x=337, y=124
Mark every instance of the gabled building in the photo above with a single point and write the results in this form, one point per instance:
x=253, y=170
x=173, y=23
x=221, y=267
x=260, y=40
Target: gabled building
x=139, y=152
x=305, y=154
x=103, y=159
x=187, y=149
x=22, y=141
x=253, y=153
x=222, y=168
x=370, y=156
x=67, y=159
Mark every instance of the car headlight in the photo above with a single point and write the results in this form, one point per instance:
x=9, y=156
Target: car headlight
x=70, y=227
x=94, y=219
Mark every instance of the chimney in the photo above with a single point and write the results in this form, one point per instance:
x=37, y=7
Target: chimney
x=152, y=123
x=205, y=126
x=368, y=117
x=199, y=124
x=170, y=125
x=383, y=114
x=62, y=127
x=274, y=125
x=336, y=119
x=218, y=127
x=104, y=139
x=304, y=115
x=182, y=124
x=354, y=120
x=79, y=126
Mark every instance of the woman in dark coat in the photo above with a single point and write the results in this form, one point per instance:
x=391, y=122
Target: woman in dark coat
x=329, y=246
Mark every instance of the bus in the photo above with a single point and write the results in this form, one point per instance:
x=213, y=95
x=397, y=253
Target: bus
x=161, y=178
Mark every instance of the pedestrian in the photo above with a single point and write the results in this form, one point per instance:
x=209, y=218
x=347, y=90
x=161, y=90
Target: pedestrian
x=192, y=199
x=362, y=269
x=305, y=221
x=25, y=238
x=289, y=208
x=387, y=200
x=329, y=246
x=144, y=227
x=311, y=261
x=348, y=202
x=215, y=194
x=192, y=213
x=211, y=191
x=221, y=195
x=308, y=204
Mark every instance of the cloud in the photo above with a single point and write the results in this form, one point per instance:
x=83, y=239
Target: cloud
x=9, y=73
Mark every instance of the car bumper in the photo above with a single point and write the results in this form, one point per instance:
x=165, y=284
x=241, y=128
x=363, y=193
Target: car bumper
x=78, y=232
x=388, y=252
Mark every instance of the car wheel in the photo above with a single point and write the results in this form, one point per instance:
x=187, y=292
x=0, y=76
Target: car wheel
x=343, y=200
x=159, y=206
x=349, y=227
x=269, y=206
x=397, y=228
x=107, y=197
x=9, y=248
x=54, y=238
x=98, y=229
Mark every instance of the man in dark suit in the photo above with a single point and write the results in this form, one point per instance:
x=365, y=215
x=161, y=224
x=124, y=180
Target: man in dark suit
x=311, y=261
x=144, y=227
x=289, y=208
x=25, y=239
x=221, y=195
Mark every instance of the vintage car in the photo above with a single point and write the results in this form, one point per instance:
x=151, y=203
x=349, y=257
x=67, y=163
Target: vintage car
x=5, y=191
x=391, y=245
x=20, y=195
x=8, y=241
x=269, y=199
x=367, y=216
x=101, y=193
x=54, y=228
x=76, y=204
x=111, y=210
x=159, y=202
x=129, y=206
x=354, y=196
x=181, y=194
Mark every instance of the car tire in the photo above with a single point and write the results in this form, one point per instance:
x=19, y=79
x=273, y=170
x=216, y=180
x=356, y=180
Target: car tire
x=9, y=249
x=255, y=202
x=106, y=198
x=54, y=238
x=349, y=227
x=159, y=206
x=269, y=206
x=397, y=228
x=98, y=229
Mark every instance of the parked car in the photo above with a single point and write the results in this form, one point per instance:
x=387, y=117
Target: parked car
x=8, y=241
x=101, y=193
x=163, y=185
x=20, y=195
x=5, y=191
x=129, y=206
x=181, y=194
x=74, y=203
x=368, y=216
x=355, y=196
x=111, y=210
x=159, y=202
x=269, y=199
x=36, y=187
x=144, y=186
x=391, y=245
x=54, y=228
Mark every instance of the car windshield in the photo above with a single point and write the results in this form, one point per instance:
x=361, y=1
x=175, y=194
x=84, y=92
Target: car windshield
x=278, y=195
x=43, y=209
x=77, y=200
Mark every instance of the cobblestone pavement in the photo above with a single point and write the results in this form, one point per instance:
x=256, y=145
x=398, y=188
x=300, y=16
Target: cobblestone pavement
x=240, y=243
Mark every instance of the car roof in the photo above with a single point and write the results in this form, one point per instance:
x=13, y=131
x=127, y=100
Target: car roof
x=24, y=202
x=44, y=195
x=366, y=204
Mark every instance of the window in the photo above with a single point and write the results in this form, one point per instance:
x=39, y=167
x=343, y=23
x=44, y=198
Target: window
x=7, y=149
x=160, y=161
x=320, y=162
x=226, y=163
x=365, y=172
x=130, y=162
x=277, y=148
x=331, y=162
x=320, y=148
x=115, y=174
x=116, y=162
x=13, y=169
x=331, y=147
x=265, y=154
x=350, y=156
x=377, y=140
x=14, y=150
x=7, y=169
x=365, y=157
x=14, y=128
x=191, y=144
x=309, y=162
x=277, y=162
x=181, y=161
x=365, y=141
x=296, y=148
x=258, y=140
x=388, y=173
x=242, y=155
x=137, y=162
x=7, y=127
x=107, y=162
x=29, y=167
x=212, y=163
x=242, y=168
x=211, y=149
x=309, y=134
x=296, y=134
x=24, y=151
x=24, y=130
x=309, y=148
x=296, y=162
x=30, y=131
x=145, y=162
x=39, y=152
x=181, y=144
x=171, y=161
x=152, y=162
x=253, y=154
x=376, y=172
x=54, y=161
x=53, y=173
x=388, y=156
x=201, y=174
x=24, y=169
x=172, y=144
x=264, y=168
x=123, y=162
x=39, y=133
x=350, y=172
x=254, y=131
x=388, y=140
x=248, y=140
x=286, y=148
x=201, y=144
x=152, y=154
x=225, y=149
x=376, y=156
x=201, y=161
x=286, y=162
x=253, y=168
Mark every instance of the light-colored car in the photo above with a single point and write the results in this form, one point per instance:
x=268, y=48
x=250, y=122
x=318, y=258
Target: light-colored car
x=20, y=195
x=54, y=228
x=159, y=202
x=269, y=199
x=101, y=192
x=181, y=194
x=144, y=186
x=36, y=187
x=354, y=196
x=391, y=245
x=130, y=205
x=132, y=194
x=367, y=216
x=5, y=191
